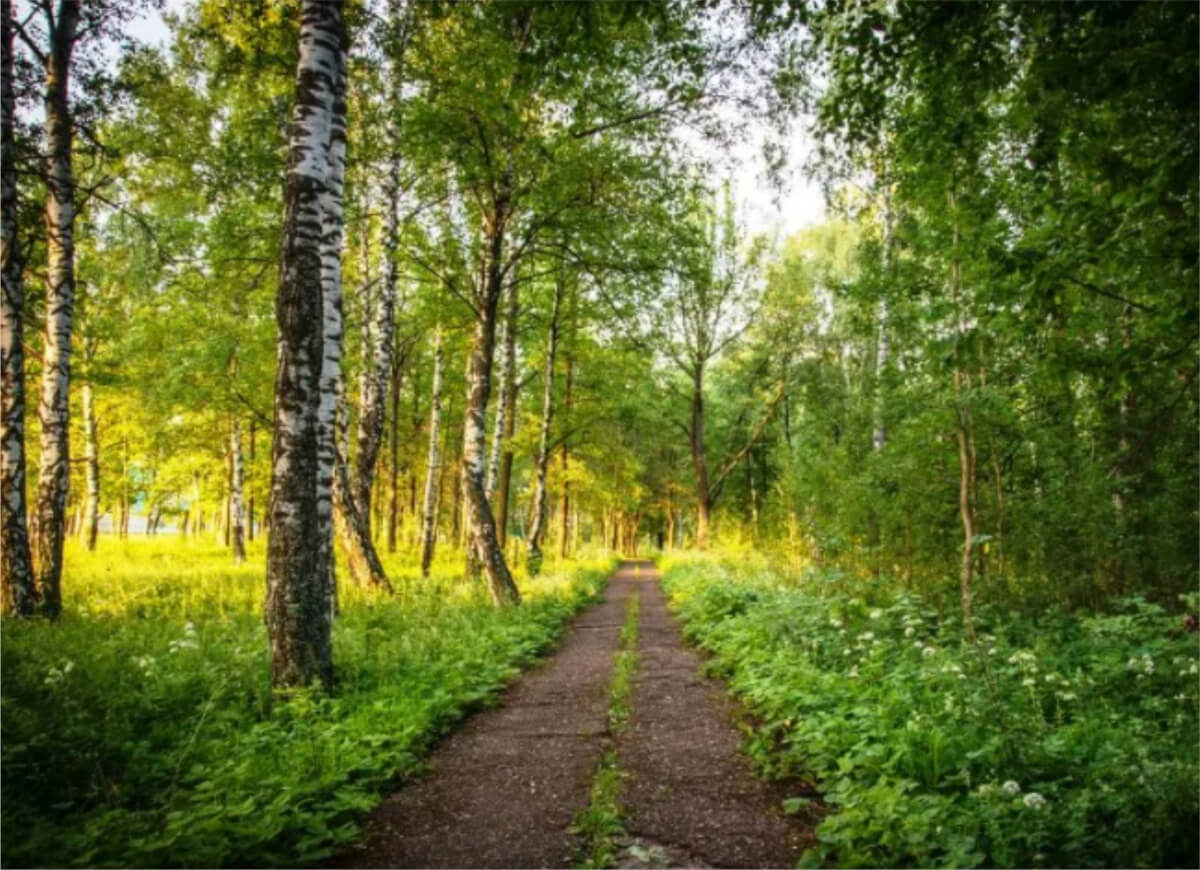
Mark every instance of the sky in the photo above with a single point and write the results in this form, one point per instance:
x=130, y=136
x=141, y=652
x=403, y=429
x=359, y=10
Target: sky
x=761, y=208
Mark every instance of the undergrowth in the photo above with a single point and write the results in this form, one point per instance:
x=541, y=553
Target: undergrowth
x=1064, y=740
x=141, y=729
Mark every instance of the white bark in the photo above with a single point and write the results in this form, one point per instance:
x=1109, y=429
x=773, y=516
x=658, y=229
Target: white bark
x=429, y=505
x=298, y=605
x=16, y=566
x=53, y=409
x=237, y=482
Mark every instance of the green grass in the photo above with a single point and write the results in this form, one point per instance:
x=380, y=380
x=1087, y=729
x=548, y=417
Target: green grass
x=600, y=823
x=141, y=729
x=1062, y=740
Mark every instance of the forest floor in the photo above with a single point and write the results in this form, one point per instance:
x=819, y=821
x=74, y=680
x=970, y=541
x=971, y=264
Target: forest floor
x=507, y=789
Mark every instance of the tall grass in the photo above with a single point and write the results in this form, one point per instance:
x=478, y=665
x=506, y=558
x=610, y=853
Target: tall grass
x=141, y=729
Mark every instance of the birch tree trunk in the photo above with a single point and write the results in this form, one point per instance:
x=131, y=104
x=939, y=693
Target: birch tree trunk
x=237, y=481
x=884, y=346
x=53, y=409
x=537, y=528
x=564, y=544
x=91, y=511
x=332, y=328
x=429, y=506
x=298, y=610
x=16, y=566
x=394, y=465
x=500, y=496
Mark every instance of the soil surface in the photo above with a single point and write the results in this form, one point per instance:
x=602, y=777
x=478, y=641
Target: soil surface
x=690, y=797
x=502, y=791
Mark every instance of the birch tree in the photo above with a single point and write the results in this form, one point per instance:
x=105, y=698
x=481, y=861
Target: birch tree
x=299, y=600
x=433, y=465
x=49, y=518
x=16, y=567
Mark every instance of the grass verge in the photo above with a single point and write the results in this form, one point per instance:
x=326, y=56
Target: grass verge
x=141, y=730
x=1061, y=740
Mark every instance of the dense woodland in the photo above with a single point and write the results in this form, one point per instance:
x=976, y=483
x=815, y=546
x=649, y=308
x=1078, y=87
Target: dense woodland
x=398, y=304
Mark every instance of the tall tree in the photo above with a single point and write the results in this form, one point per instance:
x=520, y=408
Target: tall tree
x=299, y=604
x=16, y=567
x=49, y=522
x=537, y=526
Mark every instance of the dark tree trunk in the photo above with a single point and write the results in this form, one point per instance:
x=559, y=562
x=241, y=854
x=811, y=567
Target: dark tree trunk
x=250, y=487
x=483, y=543
x=699, y=457
x=16, y=566
x=53, y=409
x=537, y=528
x=299, y=602
x=236, y=485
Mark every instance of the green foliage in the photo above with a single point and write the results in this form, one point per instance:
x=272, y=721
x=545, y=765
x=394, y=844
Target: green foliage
x=1053, y=741
x=141, y=730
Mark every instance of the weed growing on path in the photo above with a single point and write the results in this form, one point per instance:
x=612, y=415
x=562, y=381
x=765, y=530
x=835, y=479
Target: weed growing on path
x=141, y=729
x=1065, y=740
x=600, y=824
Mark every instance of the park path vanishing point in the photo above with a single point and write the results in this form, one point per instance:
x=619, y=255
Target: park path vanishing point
x=503, y=789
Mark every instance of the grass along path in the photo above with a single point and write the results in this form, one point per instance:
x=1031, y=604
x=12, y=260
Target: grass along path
x=600, y=825
x=140, y=730
x=502, y=790
x=689, y=797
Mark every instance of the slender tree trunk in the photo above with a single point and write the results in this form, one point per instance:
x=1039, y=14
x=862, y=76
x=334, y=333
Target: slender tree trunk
x=429, y=506
x=16, y=566
x=236, y=485
x=699, y=457
x=966, y=443
x=564, y=548
x=500, y=497
x=53, y=410
x=538, y=526
x=124, y=530
x=483, y=541
x=298, y=608
x=883, y=346
x=329, y=454
x=250, y=487
x=394, y=465
x=91, y=513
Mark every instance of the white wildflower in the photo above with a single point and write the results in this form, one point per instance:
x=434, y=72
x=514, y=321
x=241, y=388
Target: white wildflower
x=853, y=673
x=1012, y=787
x=876, y=613
x=867, y=635
x=928, y=652
x=1033, y=800
x=835, y=622
x=1029, y=682
x=189, y=628
x=910, y=631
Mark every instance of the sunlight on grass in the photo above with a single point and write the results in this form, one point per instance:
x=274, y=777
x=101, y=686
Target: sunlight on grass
x=141, y=730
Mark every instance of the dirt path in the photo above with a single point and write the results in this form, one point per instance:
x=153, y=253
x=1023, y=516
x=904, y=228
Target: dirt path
x=690, y=796
x=502, y=790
